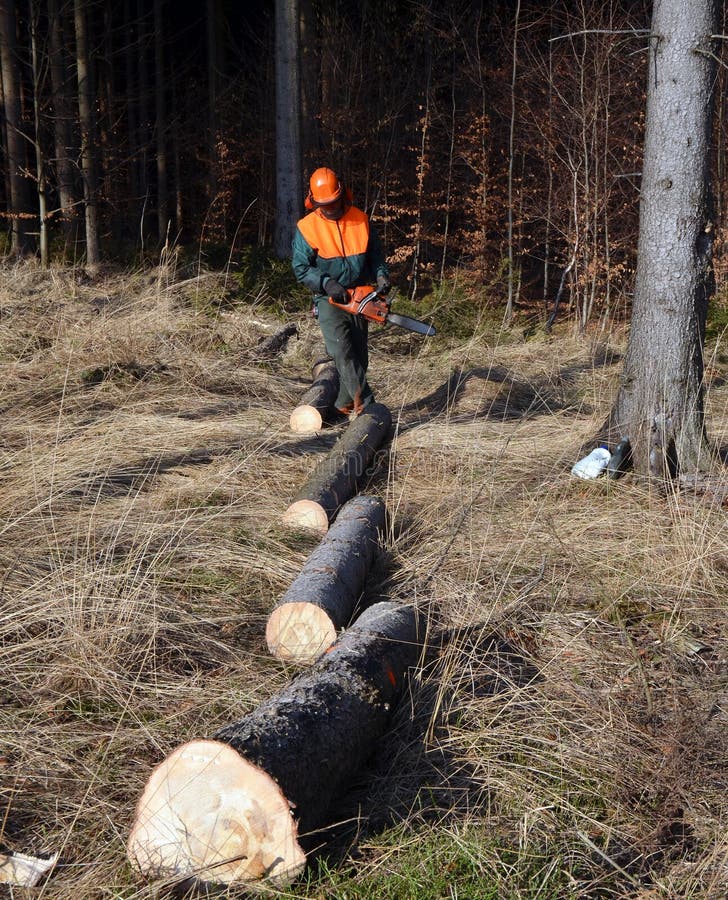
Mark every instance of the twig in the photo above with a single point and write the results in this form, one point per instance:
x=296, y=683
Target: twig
x=608, y=859
x=632, y=31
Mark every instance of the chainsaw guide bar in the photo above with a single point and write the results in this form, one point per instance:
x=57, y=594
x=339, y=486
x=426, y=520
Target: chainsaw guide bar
x=411, y=324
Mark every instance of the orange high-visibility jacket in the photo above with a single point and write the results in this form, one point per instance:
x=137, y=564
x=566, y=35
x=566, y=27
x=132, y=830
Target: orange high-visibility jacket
x=347, y=250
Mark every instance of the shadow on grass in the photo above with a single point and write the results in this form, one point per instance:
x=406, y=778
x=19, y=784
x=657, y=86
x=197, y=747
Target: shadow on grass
x=515, y=400
x=139, y=475
x=416, y=773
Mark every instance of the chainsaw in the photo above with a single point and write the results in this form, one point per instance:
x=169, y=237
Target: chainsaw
x=369, y=302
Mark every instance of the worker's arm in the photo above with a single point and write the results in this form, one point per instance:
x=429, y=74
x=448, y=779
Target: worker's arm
x=304, y=261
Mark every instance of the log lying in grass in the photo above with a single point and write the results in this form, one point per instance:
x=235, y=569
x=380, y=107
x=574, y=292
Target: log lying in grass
x=277, y=342
x=231, y=809
x=308, y=417
x=321, y=599
x=336, y=478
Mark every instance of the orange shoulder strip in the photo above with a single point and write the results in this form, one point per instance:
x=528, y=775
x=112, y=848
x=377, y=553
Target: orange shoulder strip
x=347, y=237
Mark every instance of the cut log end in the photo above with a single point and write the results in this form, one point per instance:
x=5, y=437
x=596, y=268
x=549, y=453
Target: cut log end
x=299, y=632
x=307, y=514
x=306, y=419
x=208, y=814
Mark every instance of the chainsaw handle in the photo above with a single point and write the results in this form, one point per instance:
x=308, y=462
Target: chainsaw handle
x=365, y=301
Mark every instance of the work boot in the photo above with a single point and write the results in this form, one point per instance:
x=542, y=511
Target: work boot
x=337, y=416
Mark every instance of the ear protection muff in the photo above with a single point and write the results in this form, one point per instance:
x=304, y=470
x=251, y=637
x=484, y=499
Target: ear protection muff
x=348, y=198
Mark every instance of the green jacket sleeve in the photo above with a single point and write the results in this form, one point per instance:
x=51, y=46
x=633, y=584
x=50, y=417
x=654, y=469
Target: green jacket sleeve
x=303, y=260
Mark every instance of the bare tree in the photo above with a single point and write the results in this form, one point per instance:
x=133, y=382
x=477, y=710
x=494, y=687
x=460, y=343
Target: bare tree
x=309, y=81
x=213, y=19
x=508, y=316
x=20, y=204
x=40, y=163
x=660, y=402
x=62, y=124
x=160, y=123
x=143, y=118
x=88, y=142
x=288, y=128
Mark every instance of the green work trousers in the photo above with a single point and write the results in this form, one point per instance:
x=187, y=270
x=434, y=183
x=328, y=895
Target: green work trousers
x=346, y=338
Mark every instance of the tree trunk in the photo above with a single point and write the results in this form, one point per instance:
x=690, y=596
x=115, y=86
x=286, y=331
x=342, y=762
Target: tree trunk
x=309, y=82
x=131, y=50
x=337, y=477
x=321, y=600
x=289, y=191
x=231, y=809
x=212, y=21
x=660, y=403
x=160, y=124
x=21, y=206
x=107, y=120
x=62, y=127
x=143, y=118
x=308, y=417
x=511, y=300
x=40, y=166
x=88, y=138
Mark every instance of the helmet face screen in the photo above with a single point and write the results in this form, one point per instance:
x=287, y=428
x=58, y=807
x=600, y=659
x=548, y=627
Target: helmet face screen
x=325, y=186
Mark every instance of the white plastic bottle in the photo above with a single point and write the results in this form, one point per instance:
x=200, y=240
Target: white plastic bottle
x=594, y=464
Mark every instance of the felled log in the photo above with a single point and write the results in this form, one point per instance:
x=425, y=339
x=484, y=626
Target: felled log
x=276, y=342
x=231, y=809
x=321, y=599
x=308, y=417
x=337, y=477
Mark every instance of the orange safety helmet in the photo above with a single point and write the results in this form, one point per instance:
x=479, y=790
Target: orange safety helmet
x=325, y=187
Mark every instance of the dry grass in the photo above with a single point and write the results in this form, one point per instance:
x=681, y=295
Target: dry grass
x=566, y=738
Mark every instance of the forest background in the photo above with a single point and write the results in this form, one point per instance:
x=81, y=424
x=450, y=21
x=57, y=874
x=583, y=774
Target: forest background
x=497, y=141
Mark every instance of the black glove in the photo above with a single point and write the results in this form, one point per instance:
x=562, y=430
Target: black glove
x=336, y=291
x=383, y=284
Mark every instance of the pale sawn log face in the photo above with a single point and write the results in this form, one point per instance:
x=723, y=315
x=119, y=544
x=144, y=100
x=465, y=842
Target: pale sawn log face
x=306, y=419
x=340, y=473
x=207, y=813
x=299, y=632
x=316, y=733
x=307, y=514
x=321, y=599
x=222, y=810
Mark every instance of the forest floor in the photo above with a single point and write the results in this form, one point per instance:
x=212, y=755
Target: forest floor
x=569, y=740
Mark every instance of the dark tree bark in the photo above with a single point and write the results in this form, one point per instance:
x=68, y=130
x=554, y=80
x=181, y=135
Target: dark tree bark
x=309, y=82
x=59, y=64
x=143, y=117
x=110, y=102
x=213, y=19
x=89, y=164
x=22, y=211
x=277, y=342
x=289, y=195
x=659, y=407
x=132, y=111
x=308, y=417
x=40, y=163
x=232, y=809
x=321, y=600
x=337, y=477
x=160, y=82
